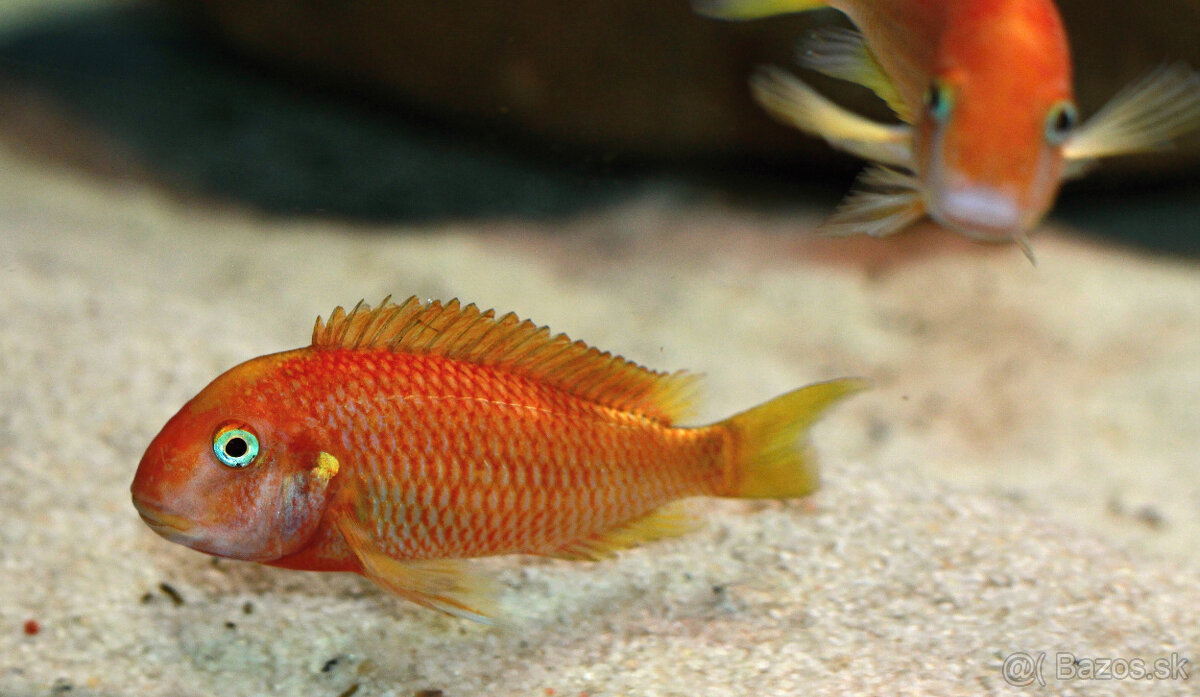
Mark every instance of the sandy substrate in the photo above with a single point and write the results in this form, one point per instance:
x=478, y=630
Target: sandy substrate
x=1021, y=479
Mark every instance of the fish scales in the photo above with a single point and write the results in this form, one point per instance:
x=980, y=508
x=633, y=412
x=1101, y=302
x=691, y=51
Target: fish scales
x=586, y=455
x=412, y=436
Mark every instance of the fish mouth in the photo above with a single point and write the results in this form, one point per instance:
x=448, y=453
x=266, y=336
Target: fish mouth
x=979, y=212
x=165, y=524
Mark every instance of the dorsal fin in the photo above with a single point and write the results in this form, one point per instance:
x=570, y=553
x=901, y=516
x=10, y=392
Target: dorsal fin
x=465, y=333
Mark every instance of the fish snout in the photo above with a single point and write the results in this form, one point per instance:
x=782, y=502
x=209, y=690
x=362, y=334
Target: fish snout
x=979, y=212
x=165, y=524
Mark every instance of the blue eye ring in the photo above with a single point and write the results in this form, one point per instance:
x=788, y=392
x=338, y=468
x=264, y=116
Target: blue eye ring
x=939, y=100
x=1061, y=121
x=235, y=447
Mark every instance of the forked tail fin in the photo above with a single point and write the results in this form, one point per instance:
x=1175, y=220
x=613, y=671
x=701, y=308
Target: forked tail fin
x=773, y=459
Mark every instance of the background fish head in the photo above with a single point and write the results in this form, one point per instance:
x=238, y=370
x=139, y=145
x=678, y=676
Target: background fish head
x=997, y=112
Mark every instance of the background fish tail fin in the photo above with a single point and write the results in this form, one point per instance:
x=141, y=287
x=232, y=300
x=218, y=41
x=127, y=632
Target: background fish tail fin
x=774, y=459
x=752, y=9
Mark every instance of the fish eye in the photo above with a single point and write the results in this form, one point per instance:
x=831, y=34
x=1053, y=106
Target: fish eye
x=1060, y=121
x=235, y=447
x=939, y=100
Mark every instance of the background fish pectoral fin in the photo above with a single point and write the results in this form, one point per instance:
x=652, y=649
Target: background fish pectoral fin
x=668, y=521
x=883, y=202
x=794, y=102
x=446, y=585
x=1143, y=117
x=843, y=54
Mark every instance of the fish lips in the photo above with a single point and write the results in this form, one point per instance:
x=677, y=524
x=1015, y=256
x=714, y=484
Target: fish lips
x=172, y=527
x=979, y=212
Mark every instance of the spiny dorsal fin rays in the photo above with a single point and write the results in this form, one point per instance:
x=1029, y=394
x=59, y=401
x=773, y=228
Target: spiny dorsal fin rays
x=1146, y=115
x=844, y=54
x=796, y=103
x=883, y=202
x=519, y=346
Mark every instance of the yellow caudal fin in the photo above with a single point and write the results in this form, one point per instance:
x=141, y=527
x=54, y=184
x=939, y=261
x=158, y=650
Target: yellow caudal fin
x=752, y=9
x=773, y=459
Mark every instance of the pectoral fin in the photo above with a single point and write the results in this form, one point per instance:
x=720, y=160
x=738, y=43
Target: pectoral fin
x=326, y=469
x=884, y=201
x=794, y=102
x=844, y=54
x=445, y=585
x=1144, y=116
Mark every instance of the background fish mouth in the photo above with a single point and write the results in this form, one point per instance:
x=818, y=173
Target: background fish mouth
x=981, y=211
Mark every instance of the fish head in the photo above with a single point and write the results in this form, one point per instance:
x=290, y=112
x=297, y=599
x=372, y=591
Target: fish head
x=997, y=112
x=229, y=477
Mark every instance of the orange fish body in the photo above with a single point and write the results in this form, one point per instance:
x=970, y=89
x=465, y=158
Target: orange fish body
x=418, y=434
x=984, y=91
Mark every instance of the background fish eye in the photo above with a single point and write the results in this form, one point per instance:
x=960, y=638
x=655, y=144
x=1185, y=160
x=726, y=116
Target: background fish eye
x=235, y=447
x=1060, y=121
x=939, y=100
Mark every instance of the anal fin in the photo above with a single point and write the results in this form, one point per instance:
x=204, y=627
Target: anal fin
x=446, y=585
x=668, y=521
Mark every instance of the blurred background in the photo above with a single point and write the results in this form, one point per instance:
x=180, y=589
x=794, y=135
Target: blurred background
x=526, y=108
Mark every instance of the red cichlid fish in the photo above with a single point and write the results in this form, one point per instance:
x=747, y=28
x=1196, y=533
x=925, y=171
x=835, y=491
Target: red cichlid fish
x=983, y=88
x=412, y=436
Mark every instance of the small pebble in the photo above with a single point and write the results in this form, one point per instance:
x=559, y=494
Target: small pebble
x=171, y=593
x=1150, y=516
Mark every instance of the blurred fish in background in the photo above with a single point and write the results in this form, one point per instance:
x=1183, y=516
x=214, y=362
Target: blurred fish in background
x=419, y=111
x=984, y=91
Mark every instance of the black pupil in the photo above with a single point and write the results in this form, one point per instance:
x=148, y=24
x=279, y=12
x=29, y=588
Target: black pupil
x=934, y=98
x=1064, y=122
x=236, y=447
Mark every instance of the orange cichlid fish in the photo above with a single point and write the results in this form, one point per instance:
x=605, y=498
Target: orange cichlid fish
x=983, y=89
x=410, y=437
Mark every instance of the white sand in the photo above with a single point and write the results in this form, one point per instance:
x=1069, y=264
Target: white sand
x=1022, y=478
